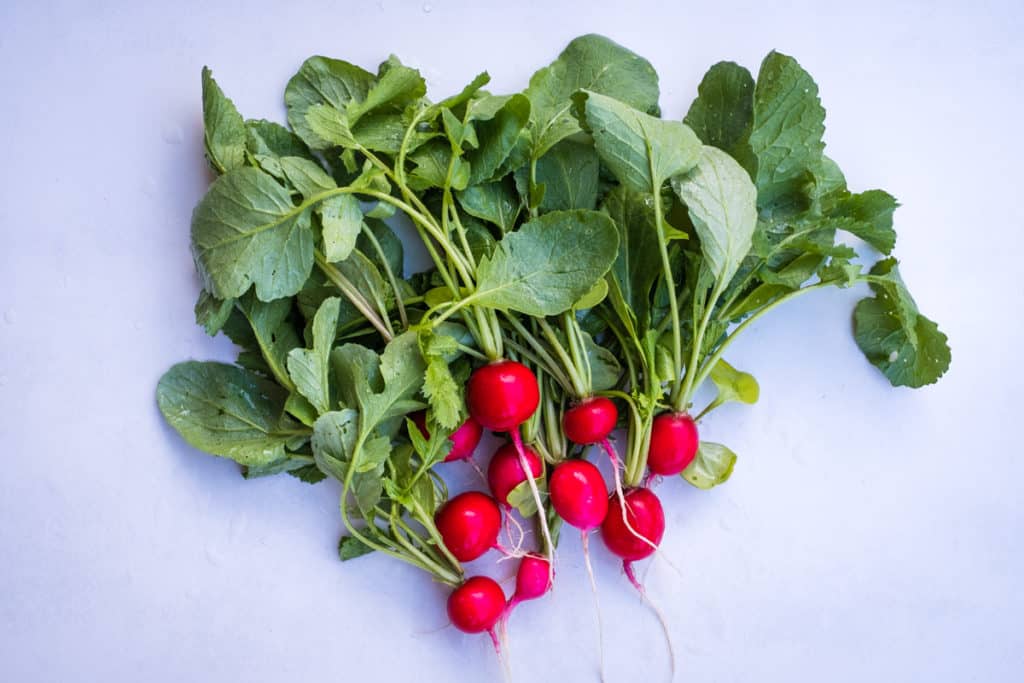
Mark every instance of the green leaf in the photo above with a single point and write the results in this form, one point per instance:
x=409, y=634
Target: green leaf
x=301, y=409
x=733, y=384
x=309, y=474
x=390, y=244
x=592, y=298
x=590, y=62
x=329, y=127
x=396, y=86
x=605, y=369
x=271, y=139
x=569, y=173
x=439, y=385
x=310, y=368
x=246, y=232
x=722, y=206
x=787, y=129
x=497, y=137
x=223, y=128
x=521, y=498
x=323, y=81
x=342, y=221
x=495, y=203
x=212, y=312
x=337, y=443
x=307, y=177
x=227, y=411
x=894, y=336
x=869, y=216
x=723, y=113
x=712, y=466
x=431, y=167
x=262, y=328
x=637, y=264
x=548, y=264
x=350, y=547
x=641, y=150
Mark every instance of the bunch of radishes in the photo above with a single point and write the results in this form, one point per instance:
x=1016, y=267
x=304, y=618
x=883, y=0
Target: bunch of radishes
x=592, y=262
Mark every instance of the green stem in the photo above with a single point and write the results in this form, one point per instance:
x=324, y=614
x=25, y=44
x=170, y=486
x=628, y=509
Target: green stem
x=579, y=388
x=392, y=279
x=720, y=351
x=346, y=287
x=670, y=285
x=681, y=400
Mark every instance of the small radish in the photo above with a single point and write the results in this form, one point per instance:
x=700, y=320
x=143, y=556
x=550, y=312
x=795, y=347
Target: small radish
x=647, y=520
x=464, y=439
x=580, y=497
x=502, y=395
x=579, y=494
x=674, y=443
x=476, y=605
x=505, y=472
x=590, y=421
x=469, y=524
x=636, y=539
x=533, y=579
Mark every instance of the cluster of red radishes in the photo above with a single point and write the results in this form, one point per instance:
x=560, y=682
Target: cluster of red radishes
x=501, y=396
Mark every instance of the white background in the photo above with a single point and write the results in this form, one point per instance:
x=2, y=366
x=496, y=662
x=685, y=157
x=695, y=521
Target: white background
x=868, y=534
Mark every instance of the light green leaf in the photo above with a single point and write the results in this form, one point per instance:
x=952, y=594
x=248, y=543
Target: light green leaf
x=733, y=384
x=901, y=342
x=301, y=409
x=307, y=177
x=310, y=368
x=323, y=81
x=267, y=138
x=712, y=466
x=590, y=62
x=223, y=128
x=722, y=204
x=548, y=264
x=592, y=298
x=723, y=113
x=439, y=385
x=342, y=221
x=245, y=232
x=521, y=498
x=868, y=215
x=334, y=441
x=227, y=411
x=605, y=369
x=431, y=167
x=328, y=127
x=641, y=150
x=396, y=86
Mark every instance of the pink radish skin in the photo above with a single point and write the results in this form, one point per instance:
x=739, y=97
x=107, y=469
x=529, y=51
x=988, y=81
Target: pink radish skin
x=646, y=517
x=469, y=524
x=533, y=579
x=590, y=421
x=674, y=443
x=476, y=605
x=464, y=439
x=502, y=395
x=579, y=494
x=505, y=471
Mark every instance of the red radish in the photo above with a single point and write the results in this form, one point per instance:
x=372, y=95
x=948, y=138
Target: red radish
x=505, y=472
x=533, y=579
x=578, y=494
x=502, y=395
x=469, y=524
x=647, y=519
x=674, y=443
x=590, y=421
x=476, y=605
x=464, y=439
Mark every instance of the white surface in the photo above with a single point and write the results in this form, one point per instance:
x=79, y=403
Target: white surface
x=868, y=534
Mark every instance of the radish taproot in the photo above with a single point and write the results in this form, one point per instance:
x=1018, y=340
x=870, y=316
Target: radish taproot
x=502, y=395
x=579, y=494
x=469, y=524
x=505, y=471
x=476, y=605
x=590, y=421
x=464, y=439
x=674, y=443
x=644, y=531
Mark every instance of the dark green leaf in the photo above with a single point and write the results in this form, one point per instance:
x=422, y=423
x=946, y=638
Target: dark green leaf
x=569, y=173
x=495, y=202
x=211, y=312
x=323, y=81
x=350, y=547
x=310, y=368
x=723, y=113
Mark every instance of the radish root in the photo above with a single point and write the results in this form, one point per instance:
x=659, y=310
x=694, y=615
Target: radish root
x=627, y=567
x=542, y=518
x=585, y=537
